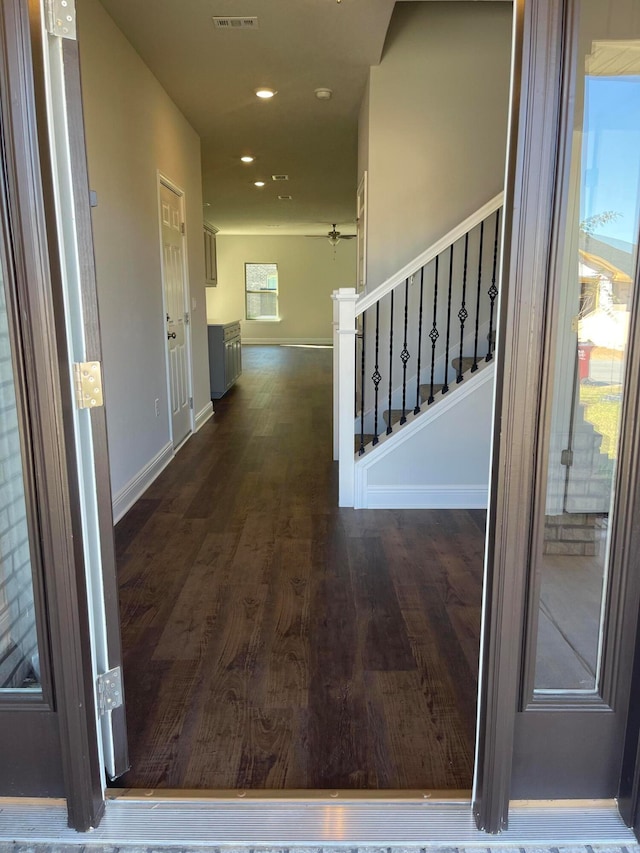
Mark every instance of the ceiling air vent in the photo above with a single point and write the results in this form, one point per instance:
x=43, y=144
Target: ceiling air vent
x=279, y=177
x=235, y=23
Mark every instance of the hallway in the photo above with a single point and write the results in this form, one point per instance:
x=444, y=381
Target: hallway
x=274, y=641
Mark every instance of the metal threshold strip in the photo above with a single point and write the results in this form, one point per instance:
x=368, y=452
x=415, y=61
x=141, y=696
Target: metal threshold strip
x=303, y=819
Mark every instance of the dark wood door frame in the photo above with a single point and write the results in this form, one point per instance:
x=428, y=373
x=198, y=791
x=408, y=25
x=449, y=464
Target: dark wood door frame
x=629, y=794
x=532, y=205
x=538, y=72
x=529, y=197
x=39, y=293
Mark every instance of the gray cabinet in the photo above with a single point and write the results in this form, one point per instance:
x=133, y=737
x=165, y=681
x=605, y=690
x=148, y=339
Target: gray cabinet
x=225, y=357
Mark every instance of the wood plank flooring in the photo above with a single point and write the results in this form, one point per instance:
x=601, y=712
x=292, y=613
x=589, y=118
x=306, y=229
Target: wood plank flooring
x=272, y=640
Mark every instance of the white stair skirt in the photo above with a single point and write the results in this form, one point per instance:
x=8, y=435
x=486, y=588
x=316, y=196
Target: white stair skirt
x=439, y=459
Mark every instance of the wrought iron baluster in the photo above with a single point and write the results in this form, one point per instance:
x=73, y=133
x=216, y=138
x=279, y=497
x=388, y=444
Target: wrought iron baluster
x=445, y=387
x=434, y=334
x=463, y=313
x=376, y=378
x=361, y=451
x=404, y=355
x=474, y=366
x=417, y=407
x=389, y=426
x=493, y=290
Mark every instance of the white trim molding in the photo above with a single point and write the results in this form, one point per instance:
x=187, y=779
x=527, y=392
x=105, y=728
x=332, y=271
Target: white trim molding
x=427, y=497
x=204, y=414
x=136, y=487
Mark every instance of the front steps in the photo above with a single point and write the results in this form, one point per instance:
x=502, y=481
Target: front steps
x=578, y=531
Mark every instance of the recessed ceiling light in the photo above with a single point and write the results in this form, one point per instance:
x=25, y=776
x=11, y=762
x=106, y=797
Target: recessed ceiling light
x=323, y=94
x=265, y=93
x=258, y=183
x=247, y=158
x=285, y=197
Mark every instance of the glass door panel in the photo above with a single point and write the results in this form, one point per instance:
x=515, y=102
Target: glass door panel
x=19, y=656
x=596, y=268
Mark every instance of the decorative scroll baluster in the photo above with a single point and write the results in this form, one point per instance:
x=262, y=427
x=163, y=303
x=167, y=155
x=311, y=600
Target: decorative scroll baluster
x=434, y=334
x=445, y=387
x=493, y=290
x=389, y=426
x=376, y=378
x=404, y=355
x=463, y=313
x=417, y=407
x=361, y=450
x=474, y=366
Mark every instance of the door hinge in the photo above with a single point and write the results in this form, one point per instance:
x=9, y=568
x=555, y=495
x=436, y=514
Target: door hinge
x=182, y=227
x=191, y=402
x=61, y=18
x=109, y=690
x=186, y=318
x=87, y=377
x=566, y=458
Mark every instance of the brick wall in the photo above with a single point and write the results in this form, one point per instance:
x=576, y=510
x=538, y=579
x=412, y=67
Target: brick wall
x=18, y=641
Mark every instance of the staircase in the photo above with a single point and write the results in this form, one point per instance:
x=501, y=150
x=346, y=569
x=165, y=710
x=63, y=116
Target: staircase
x=461, y=367
x=412, y=366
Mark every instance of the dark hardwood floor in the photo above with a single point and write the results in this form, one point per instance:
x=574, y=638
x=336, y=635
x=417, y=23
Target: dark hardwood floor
x=272, y=640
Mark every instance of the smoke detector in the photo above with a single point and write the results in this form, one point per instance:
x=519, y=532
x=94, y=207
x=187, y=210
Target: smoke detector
x=323, y=94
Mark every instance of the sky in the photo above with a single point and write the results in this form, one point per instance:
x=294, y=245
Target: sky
x=611, y=154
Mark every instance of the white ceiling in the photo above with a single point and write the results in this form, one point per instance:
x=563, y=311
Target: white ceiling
x=211, y=75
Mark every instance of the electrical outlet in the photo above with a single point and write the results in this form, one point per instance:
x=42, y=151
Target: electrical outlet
x=157, y=407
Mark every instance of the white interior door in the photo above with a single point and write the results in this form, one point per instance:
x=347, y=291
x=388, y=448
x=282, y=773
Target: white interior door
x=174, y=282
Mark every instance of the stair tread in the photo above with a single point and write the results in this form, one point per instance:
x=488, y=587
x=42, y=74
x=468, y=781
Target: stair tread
x=368, y=438
x=466, y=362
x=425, y=393
x=425, y=390
x=396, y=415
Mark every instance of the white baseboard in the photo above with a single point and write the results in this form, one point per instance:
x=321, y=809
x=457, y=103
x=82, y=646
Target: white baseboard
x=203, y=415
x=300, y=342
x=136, y=487
x=425, y=497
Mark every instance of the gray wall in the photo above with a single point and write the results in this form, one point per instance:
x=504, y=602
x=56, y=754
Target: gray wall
x=133, y=131
x=437, y=125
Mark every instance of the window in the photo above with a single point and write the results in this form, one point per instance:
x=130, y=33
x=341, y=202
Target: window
x=261, y=285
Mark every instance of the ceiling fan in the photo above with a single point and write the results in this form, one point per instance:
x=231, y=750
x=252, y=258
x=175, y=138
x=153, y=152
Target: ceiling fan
x=334, y=236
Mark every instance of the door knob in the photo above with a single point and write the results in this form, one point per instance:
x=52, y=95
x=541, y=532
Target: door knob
x=171, y=334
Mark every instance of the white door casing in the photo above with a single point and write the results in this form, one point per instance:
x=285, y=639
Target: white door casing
x=361, y=234
x=176, y=316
